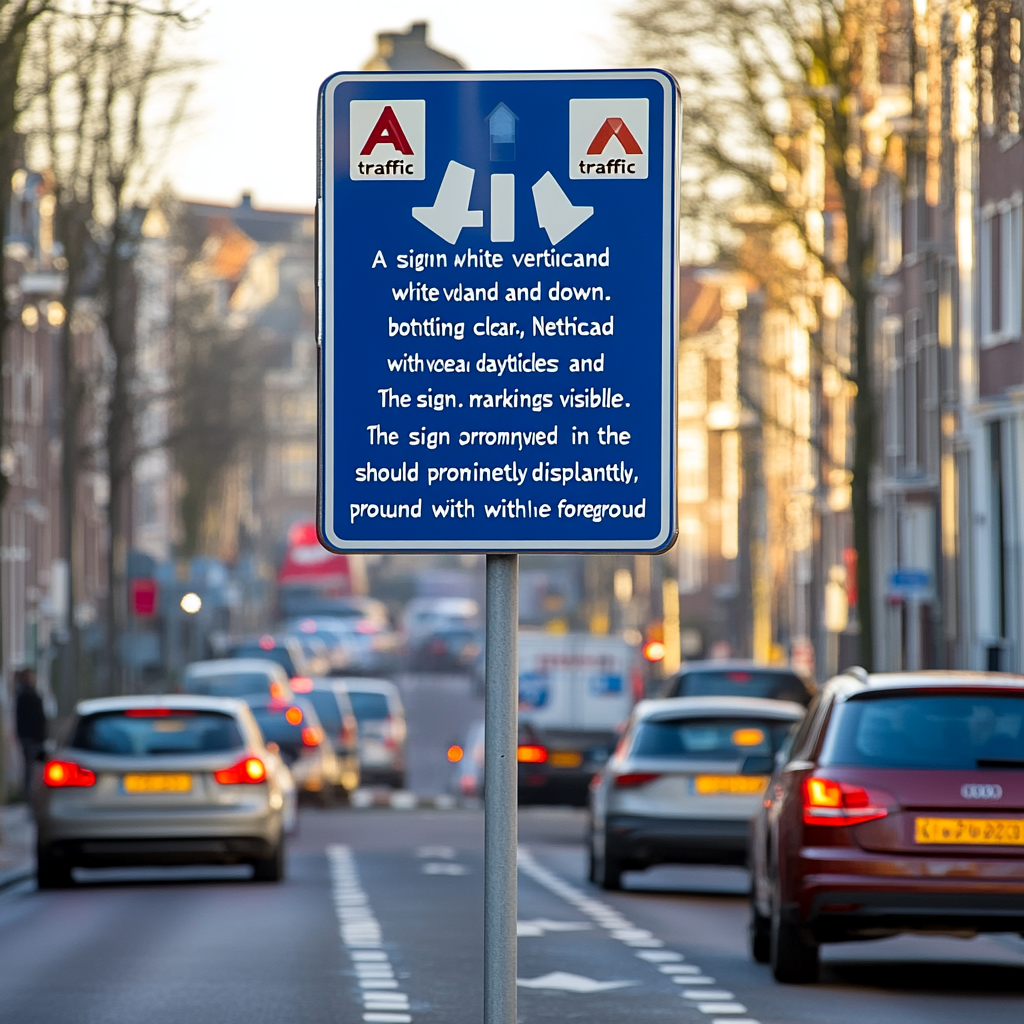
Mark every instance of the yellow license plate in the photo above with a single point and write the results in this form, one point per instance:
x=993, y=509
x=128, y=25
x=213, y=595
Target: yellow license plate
x=178, y=782
x=970, y=831
x=565, y=758
x=725, y=785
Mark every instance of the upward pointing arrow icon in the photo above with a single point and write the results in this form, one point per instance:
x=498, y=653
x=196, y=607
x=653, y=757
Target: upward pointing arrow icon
x=450, y=212
x=555, y=212
x=501, y=124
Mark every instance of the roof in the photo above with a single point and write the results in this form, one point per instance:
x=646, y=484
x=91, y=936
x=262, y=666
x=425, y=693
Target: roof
x=691, y=707
x=184, y=701
x=851, y=683
x=735, y=665
x=221, y=666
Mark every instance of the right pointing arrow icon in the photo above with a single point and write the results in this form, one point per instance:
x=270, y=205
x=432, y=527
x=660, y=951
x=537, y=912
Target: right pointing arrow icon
x=555, y=213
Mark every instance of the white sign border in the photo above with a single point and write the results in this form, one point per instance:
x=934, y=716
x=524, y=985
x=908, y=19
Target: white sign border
x=325, y=307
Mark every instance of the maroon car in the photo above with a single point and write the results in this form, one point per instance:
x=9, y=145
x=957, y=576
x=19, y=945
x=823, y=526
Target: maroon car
x=898, y=806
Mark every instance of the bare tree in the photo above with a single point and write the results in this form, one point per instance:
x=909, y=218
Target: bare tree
x=105, y=100
x=768, y=86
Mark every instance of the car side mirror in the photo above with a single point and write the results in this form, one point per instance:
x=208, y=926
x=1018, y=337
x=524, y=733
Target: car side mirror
x=757, y=764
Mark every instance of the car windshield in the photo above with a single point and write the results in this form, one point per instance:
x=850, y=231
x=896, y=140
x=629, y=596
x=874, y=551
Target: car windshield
x=231, y=684
x=742, y=683
x=369, y=706
x=327, y=709
x=709, y=739
x=139, y=732
x=279, y=654
x=958, y=731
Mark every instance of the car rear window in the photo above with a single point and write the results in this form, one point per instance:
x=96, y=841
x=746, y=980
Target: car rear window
x=368, y=706
x=273, y=720
x=956, y=731
x=278, y=654
x=709, y=739
x=138, y=732
x=741, y=683
x=326, y=705
x=231, y=684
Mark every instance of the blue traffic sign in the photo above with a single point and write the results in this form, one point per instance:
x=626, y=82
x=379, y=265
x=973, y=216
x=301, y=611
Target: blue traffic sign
x=497, y=311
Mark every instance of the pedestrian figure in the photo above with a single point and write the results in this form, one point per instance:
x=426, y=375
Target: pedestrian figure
x=30, y=722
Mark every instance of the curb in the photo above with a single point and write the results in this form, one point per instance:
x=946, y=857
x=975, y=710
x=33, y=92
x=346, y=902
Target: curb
x=404, y=800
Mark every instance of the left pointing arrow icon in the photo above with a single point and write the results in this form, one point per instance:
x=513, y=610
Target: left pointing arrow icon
x=450, y=212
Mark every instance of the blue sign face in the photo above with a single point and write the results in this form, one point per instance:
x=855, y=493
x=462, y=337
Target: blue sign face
x=497, y=269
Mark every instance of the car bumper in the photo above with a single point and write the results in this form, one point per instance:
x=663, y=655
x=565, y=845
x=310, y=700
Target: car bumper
x=868, y=894
x=128, y=851
x=554, y=786
x=643, y=841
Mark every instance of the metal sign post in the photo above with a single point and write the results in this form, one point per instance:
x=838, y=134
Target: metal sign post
x=497, y=319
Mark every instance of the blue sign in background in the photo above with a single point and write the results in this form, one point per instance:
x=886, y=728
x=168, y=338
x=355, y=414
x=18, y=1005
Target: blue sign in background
x=537, y=414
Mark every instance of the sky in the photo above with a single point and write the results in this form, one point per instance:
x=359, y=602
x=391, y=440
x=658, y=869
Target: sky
x=253, y=124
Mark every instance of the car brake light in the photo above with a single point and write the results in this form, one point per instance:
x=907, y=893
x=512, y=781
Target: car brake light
x=455, y=753
x=630, y=779
x=66, y=773
x=267, y=642
x=838, y=803
x=293, y=716
x=349, y=731
x=249, y=769
x=301, y=684
x=532, y=753
x=311, y=736
x=156, y=712
x=278, y=691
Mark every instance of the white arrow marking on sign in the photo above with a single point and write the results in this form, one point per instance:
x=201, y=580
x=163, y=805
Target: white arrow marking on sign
x=503, y=207
x=565, y=982
x=450, y=212
x=555, y=213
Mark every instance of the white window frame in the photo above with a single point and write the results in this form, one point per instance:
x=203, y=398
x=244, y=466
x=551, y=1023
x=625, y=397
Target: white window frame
x=1010, y=269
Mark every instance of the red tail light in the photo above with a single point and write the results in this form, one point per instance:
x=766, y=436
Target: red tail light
x=532, y=753
x=311, y=736
x=387, y=734
x=839, y=803
x=249, y=769
x=631, y=779
x=349, y=734
x=301, y=684
x=58, y=774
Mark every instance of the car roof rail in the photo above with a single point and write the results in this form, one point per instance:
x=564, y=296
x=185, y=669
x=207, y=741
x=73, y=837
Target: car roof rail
x=858, y=673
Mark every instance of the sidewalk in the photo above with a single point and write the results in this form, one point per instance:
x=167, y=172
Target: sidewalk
x=17, y=844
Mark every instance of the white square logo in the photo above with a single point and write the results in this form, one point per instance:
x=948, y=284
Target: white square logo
x=607, y=139
x=387, y=140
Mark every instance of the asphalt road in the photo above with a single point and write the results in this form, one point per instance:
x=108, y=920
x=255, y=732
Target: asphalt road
x=211, y=947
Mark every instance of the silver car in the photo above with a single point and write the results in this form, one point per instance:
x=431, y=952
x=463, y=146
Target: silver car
x=378, y=708
x=684, y=783
x=173, y=779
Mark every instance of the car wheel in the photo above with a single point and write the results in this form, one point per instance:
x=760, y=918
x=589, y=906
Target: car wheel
x=591, y=856
x=270, y=869
x=794, y=955
x=52, y=872
x=607, y=869
x=759, y=931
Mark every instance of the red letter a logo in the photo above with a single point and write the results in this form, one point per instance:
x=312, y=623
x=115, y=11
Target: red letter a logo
x=617, y=127
x=387, y=129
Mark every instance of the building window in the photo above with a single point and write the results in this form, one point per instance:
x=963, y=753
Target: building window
x=1000, y=245
x=691, y=555
x=298, y=468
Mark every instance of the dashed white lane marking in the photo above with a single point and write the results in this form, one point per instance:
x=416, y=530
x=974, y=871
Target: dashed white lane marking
x=707, y=1001
x=360, y=932
x=443, y=867
x=436, y=852
x=563, y=982
x=531, y=929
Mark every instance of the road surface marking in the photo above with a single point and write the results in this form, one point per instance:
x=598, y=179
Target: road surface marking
x=361, y=935
x=444, y=868
x=679, y=969
x=542, y=926
x=707, y=997
x=700, y=979
x=721, y=1008
x=564, y=982
x=436, y=852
